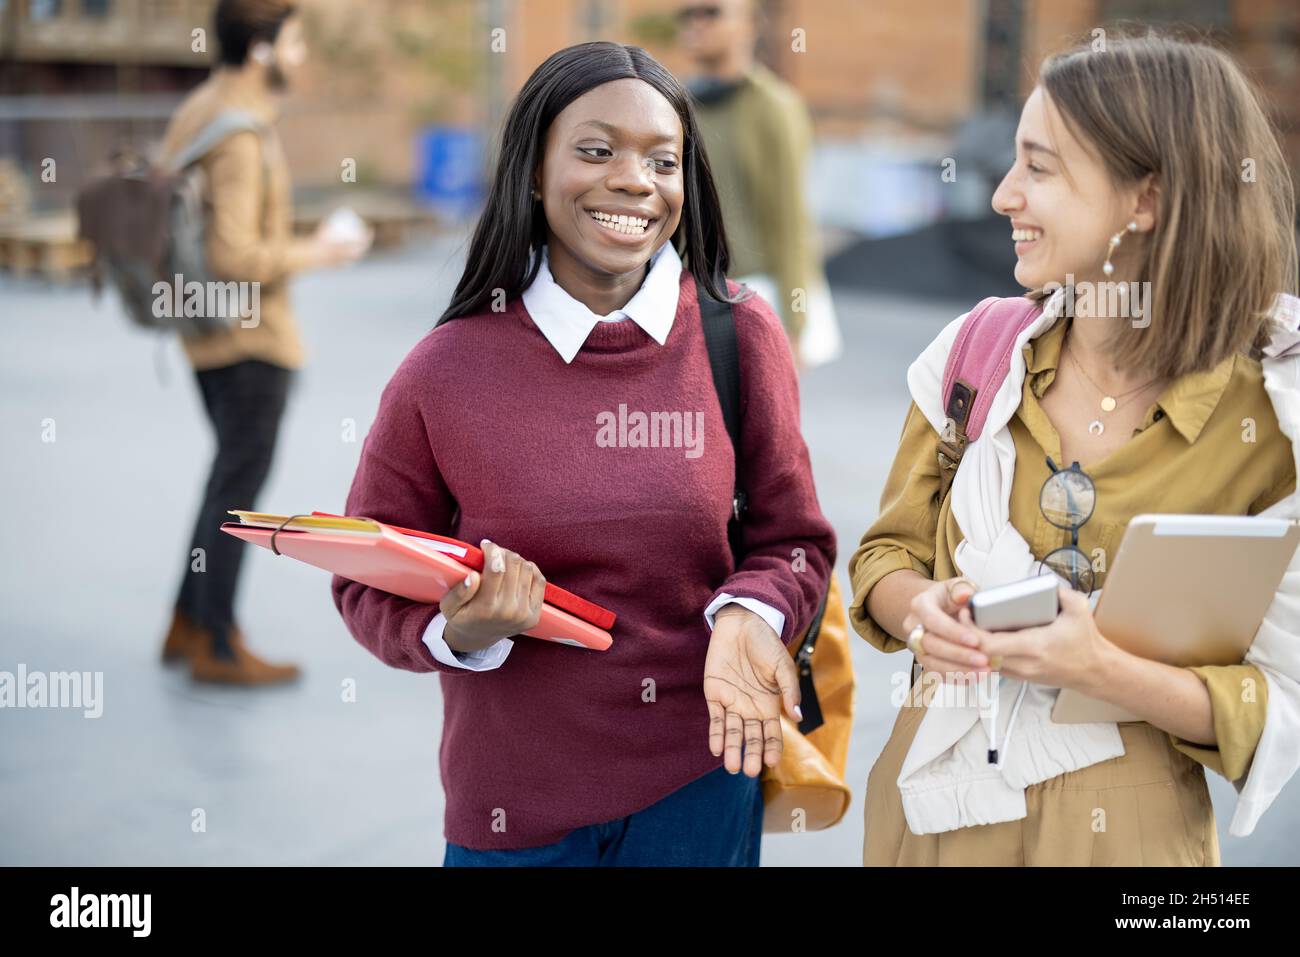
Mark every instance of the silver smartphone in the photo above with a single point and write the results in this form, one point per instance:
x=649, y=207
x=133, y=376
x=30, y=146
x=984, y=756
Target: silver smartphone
x=1023, y=604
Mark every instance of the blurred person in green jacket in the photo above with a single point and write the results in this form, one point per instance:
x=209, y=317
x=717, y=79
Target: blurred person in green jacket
x=758, y=134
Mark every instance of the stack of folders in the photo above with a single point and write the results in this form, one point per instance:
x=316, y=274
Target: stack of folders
x=417, y=565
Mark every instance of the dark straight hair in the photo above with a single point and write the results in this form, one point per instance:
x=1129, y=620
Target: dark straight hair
x=513, y=223
x=241, y=23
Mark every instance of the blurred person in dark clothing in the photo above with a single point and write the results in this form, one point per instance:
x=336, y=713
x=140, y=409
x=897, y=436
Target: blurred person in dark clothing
x=244, y=372
x=759, y=136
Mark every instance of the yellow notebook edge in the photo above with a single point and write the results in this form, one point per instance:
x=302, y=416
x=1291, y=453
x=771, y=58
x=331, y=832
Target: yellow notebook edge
x=304, y=522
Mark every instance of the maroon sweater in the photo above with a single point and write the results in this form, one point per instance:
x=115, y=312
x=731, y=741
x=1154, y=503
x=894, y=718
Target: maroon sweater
x=484, y=414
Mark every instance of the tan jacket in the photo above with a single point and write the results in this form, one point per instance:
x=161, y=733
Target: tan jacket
x=249, y=221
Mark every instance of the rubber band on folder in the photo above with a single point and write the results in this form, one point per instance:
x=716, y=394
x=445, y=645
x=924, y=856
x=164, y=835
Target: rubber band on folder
x=306, y=515
x=282, y=525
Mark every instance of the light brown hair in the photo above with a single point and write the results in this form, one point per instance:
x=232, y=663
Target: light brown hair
x=1223, y=245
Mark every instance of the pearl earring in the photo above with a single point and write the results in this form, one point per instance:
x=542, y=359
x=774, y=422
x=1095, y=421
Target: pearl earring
x=1107, y=267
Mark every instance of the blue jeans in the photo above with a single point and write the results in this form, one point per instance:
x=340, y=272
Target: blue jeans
x=715, y=821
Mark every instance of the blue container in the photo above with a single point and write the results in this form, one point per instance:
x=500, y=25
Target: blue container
x=450, y=165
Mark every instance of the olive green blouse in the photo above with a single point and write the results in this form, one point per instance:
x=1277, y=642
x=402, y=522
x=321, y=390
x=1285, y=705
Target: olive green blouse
x=1210, y=444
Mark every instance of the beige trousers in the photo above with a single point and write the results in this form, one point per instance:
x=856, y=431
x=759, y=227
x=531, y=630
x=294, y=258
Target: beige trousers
x=1150, y=806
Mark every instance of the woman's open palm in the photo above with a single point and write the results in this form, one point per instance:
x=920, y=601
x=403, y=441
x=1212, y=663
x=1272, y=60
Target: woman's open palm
x=748, y=676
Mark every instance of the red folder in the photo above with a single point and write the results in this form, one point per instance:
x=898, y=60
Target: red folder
x=555, y=595
x=390, y=561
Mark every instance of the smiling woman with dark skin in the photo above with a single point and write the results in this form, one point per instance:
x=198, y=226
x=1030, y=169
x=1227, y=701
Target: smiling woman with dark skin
x=615, y=150
x=580, y=295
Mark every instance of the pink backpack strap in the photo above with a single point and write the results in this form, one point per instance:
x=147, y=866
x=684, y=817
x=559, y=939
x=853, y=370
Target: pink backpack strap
x=977, y=366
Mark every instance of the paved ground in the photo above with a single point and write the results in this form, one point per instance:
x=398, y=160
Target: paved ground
x=299, y=776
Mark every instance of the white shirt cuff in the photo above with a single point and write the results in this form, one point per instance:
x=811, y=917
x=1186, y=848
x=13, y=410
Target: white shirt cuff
x=484, y=660
x=762, y=609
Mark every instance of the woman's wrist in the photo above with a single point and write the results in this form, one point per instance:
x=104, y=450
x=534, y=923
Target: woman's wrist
x=462, y=643
x=1104, y=678
x=449, y=637
x=889, y=603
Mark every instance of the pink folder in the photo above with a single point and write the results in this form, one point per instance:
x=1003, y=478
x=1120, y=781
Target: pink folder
x=400, y=565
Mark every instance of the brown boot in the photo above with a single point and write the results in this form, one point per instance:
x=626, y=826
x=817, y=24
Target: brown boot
x=181, y=638
x=244, y=669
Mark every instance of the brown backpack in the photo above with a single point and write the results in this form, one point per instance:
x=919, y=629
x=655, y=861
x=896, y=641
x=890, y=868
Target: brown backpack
x=147, y=224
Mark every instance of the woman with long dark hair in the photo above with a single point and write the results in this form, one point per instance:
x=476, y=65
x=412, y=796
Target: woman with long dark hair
x=520, y=422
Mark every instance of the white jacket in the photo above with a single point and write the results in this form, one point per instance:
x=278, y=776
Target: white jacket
x=946, y=781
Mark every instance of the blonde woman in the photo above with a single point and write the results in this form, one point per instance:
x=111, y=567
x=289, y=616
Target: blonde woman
x=1128, y=169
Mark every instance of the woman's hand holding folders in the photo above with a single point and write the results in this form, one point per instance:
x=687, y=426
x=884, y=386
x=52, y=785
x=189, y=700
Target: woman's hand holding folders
x=748, y=676
x=505, y=600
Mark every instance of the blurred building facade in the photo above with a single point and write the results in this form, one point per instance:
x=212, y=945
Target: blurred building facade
x=889, y=83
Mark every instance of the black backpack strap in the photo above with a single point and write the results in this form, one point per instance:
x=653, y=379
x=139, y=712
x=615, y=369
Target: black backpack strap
x=724, y=359
x=719, y=324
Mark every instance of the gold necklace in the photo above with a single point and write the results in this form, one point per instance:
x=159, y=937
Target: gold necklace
x=1109, y=403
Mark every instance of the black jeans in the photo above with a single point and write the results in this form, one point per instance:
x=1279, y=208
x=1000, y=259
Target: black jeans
x=245, y=402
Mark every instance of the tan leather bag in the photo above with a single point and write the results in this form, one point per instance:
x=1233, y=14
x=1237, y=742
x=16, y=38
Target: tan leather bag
x=807, y=790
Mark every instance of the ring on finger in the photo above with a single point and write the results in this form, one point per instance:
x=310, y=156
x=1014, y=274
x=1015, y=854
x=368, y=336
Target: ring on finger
x=959, y=581
x=916, y=640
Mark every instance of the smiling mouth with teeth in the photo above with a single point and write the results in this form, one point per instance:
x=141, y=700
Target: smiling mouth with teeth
x=1025, y=235
x=628, y=225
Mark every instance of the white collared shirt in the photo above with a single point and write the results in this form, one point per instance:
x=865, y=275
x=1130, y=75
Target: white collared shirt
x=566, y=324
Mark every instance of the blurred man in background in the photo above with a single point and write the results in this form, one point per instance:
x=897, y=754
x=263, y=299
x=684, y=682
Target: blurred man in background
x=244, y=372
x=758, y=134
